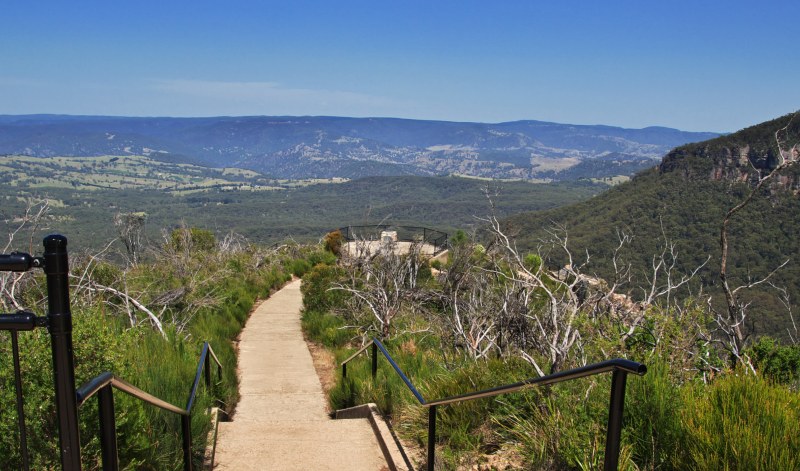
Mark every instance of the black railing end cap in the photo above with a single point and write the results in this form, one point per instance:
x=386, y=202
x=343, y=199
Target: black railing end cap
x=90, y=387
x=629, y=366
x=55, y=242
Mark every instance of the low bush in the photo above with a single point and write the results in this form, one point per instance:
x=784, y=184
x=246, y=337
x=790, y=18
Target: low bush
x=326, y=329
x=317, y=295
x=778, y=362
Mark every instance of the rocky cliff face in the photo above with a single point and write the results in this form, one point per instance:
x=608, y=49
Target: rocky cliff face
x=742, y=157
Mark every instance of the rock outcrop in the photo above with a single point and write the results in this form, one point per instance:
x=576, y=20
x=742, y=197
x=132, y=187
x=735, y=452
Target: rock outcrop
x=743, y=157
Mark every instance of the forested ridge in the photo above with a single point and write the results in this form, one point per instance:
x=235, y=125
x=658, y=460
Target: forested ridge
x=684, y=201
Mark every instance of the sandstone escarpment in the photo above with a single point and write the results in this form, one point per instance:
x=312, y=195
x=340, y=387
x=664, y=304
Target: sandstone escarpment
x=742, y=157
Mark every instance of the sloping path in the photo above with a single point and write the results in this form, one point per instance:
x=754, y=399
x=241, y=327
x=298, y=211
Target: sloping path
x=281, y=422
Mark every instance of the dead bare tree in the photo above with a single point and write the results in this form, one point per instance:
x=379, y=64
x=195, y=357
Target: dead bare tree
x=553, y=302
x=154, y=319
x=233, y=243
x=731, y=321
x=785, y=299
x=12, y=283
x=552, y=317
x=129, y=228
x=382, y=278
x=472, y=323
x=662, y=282
x=85, y=286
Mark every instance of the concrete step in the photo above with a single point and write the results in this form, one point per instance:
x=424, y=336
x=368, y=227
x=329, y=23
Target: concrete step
x=311, y=445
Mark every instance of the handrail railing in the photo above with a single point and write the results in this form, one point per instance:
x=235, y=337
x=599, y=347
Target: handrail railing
x=107, y=378
x=102, y=385
x=620, y=368
x=437, y=239
x=68, y=398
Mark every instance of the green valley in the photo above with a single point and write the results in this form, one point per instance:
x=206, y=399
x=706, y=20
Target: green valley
x=84, y=195
x=133, y=172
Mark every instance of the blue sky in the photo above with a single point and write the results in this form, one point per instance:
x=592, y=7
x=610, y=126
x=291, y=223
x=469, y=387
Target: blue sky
x=692, y=65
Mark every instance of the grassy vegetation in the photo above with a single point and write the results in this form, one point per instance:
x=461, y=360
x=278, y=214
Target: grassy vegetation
x=685, y=413
x=198, y=291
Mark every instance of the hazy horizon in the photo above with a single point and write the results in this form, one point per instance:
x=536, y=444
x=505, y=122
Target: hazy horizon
x=682, y=65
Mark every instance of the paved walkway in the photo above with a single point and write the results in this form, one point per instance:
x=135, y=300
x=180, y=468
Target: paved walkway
x=281, y=422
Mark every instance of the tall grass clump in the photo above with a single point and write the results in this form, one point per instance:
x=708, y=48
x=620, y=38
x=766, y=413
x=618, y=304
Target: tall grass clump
x=653, y=426
x=741, y=422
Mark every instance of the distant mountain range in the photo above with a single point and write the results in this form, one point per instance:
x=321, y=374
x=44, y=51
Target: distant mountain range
x=325, y=147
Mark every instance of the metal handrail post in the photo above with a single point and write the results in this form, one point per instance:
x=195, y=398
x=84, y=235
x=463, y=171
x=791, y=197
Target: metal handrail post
x=59, y=323
x=186, y=428
x=374, y=361
x=431, y=437
x=108, y=428
x=207, y=371
x=615, y=409
x=23, y=433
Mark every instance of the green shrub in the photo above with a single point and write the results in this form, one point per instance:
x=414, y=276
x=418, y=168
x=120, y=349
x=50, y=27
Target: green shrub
x=321, y=256
x=192, y=240
x=459, y=238
x=780, y=363
x=327, y=329
x=653, y=407
x=99, y=345
x=333, y=242
x=533, y=262
x=317, y=295
x=298, y=267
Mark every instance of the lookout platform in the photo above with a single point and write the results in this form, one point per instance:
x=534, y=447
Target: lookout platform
x=399, y=239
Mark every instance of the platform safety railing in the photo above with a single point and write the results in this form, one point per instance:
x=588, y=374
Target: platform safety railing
x=68, y=399
x=619, y=369
x=437, y=239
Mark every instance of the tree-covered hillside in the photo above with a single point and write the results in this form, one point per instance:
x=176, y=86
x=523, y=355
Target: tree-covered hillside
x=684, y=201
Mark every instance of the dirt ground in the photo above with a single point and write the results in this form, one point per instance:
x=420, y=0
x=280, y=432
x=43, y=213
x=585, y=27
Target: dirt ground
x=325, y=365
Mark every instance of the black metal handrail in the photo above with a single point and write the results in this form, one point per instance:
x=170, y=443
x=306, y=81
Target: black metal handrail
x=620, y=368
x=55, y=264
x=107, y=378
x=68, y=398
x=102, y=385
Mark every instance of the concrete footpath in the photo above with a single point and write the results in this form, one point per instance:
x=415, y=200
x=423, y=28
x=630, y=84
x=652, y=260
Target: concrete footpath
x=281, y=422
